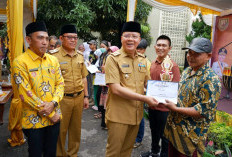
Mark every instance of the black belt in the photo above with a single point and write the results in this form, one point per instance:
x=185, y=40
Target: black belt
x=73, y=94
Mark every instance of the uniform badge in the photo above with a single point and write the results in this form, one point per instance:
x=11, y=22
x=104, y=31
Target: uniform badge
x=166, y=74
x=126, y=75
x=223, y=24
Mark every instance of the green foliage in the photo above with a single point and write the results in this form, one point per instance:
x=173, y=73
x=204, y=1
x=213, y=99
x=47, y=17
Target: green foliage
x=3, y=31
x=57, y=13
x=104, y=16
x=206, y=154
x=225, y=116
x=221, y=135
x=199, y=29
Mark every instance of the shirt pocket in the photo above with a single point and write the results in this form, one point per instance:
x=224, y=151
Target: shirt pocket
x=126, y=72
x=64, y=68
x=34, y=72
x=80, y=64
x=142, y=67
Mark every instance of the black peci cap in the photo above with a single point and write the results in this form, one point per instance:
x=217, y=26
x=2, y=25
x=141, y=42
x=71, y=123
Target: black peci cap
x=35, y=27
x=131, y=26
x=68, y=29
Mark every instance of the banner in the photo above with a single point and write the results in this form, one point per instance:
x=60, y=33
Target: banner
x=222, y=59
x=222, y=44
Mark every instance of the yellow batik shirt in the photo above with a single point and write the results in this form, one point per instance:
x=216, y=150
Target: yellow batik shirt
x=38, y=80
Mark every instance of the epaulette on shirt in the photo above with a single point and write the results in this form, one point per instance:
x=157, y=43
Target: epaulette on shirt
x=80, y=52
x=54, y=51
x=142, y=55
x=116, y=53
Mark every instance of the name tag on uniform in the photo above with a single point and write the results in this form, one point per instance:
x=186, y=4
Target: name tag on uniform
x=35, y=69
x=63, y=62
x=125, y=65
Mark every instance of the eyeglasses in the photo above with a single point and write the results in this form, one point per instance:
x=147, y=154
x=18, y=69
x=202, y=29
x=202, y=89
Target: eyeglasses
x=70, y=37
x=128, y=36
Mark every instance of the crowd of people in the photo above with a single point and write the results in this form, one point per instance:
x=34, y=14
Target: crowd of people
x=55, y=86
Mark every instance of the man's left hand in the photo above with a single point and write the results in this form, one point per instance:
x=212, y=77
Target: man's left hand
x=86, y=103
x=170, y=105
x=47, y=108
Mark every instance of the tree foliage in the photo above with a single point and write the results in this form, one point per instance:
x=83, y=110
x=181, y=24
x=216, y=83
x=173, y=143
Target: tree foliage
x=199, y=29
x=3, y=31
x=103, y=16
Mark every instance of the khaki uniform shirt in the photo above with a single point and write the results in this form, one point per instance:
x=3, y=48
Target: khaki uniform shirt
x=73, y=70
x=131, y=73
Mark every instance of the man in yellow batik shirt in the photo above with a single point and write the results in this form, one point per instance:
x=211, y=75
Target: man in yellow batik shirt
x=41, y=87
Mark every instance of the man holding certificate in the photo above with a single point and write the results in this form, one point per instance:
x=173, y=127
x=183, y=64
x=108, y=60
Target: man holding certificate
x=127, y=75
x=199, y=91
x=162, y=69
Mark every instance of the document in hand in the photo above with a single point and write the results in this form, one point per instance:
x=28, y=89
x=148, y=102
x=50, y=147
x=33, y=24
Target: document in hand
x=99, y=79
x=92, y=69
x=162, y=90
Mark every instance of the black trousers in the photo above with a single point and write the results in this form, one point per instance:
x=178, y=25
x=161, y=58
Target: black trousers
x=42, y=141
x=157, y=121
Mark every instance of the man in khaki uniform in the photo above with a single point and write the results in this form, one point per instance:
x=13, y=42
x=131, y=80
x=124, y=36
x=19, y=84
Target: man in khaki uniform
x=75, y=93
x=127, y=75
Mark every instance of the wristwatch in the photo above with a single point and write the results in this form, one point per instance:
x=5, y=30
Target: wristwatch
x=55, y=103
x=86, y=96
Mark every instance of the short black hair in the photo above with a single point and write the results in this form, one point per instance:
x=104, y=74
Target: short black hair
x=105, y=43
x=164, y=37
x=143, y=44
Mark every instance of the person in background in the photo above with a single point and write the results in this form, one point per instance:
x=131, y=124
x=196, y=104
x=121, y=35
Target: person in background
x=219, y=65
x=52, y=42
x=141, y=48
x=199, y=91
x=81, y=48
x=161, y=67
x=100, y=53
x=104, y=89
x=75, y=91
x=126, y=74
x=86, y=54
x=93, y=47
x=58, y=44
x=41, y=88
x=104, y=44
x=92, y=60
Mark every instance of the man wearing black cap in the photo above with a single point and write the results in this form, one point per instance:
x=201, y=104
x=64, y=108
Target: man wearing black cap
x=127, y=75
x=75, y=92
x=41, y=87
x=199, y=91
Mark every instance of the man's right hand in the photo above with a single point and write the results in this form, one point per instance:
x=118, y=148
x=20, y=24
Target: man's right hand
x=152, y=102
x=55, y=118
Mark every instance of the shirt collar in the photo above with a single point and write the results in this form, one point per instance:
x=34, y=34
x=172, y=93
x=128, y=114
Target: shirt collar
x=34, y=56
x=199, y=71
x=157, y=61
x=64, y=52
x=124, y=54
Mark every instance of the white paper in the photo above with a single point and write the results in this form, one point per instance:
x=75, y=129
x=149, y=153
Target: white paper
x=99, y=79
x=92, y=69
x=161, y=90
